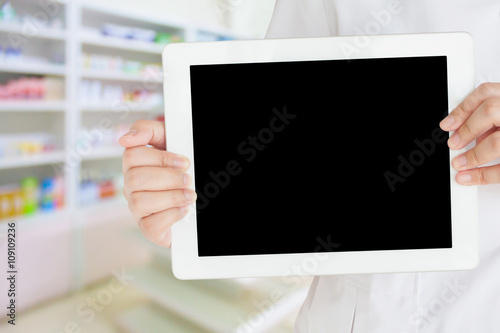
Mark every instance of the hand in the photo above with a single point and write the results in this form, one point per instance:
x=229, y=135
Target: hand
x=477, y=117
x=155, y=182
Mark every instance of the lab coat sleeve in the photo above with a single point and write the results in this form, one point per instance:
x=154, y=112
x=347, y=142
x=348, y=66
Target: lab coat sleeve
x=298, y=18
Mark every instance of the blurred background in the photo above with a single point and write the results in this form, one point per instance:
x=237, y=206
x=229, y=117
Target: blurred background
x=74, y=75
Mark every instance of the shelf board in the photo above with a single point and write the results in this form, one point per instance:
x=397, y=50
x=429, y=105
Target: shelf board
x=32, y=68
x=262, y=285
x=129, y=107
x=117, y=76
x=45, y=33
x=36, y=219
x=32, y=160
x=32, y=105
x=160, y=20
x=104, y=153
x=151, y=318
x=217, y=312
x=121, y=44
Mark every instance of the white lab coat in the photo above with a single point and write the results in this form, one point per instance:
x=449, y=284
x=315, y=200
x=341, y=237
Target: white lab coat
x=432, y=302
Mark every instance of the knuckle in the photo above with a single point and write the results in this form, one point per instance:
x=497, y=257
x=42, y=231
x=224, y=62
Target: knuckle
x=481, y=176
x=472, y=157
x=466, y=131
x=459, y=111
x=465, y=108
x=133, y=179
x=491, y=108
x=165, y=159
x=139, y=123
x=128, y=156
x=148, y=228
x=486, y=88
x=154, y=234
x=136, y=202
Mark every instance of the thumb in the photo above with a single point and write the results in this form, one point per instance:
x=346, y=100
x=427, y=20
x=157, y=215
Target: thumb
x=145, y=132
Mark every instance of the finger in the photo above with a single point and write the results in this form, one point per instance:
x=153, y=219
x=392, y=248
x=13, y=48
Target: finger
x=479, y=176
x=149, y=156
x=157, y=227
x=145, y=203
x=154, y=179
x=483, y=119
x=486, y=134
x=482, y=153
x=145, y=132
x=462, y=112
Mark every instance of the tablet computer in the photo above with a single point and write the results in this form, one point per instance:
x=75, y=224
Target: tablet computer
x=315, y=156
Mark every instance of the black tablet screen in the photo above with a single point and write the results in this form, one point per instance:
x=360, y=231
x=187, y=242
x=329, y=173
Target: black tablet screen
x=315, y=156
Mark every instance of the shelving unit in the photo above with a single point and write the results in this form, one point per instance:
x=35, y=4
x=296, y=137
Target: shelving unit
x=81, y=21
x=212, y=305
x=112, y=76
x=65, y=119
x=114, y=43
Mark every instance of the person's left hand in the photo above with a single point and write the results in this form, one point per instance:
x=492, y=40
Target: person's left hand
x=477, y=117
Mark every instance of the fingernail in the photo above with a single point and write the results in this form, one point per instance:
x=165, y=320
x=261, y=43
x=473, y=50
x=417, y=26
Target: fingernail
x=460, y=161
x=190, y=195
x=464, y=178
x=181, y=163
x=186, y=179
x=454, y=140
x=130, y=133
x=448, y=121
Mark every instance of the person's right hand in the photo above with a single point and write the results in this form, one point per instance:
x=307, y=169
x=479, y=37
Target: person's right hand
x=155, y=182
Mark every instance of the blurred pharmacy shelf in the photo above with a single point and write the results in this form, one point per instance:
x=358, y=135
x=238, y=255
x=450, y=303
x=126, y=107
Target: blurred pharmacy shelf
x=93, y=29
x=82, y=48
x=220, y=305
x=230, y=302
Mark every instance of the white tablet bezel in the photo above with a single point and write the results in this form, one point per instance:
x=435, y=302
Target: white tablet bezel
x=177, y=59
